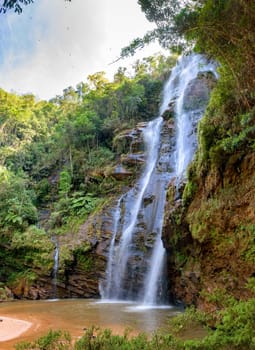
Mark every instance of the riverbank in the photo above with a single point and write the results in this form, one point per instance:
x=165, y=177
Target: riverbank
x=11, y=328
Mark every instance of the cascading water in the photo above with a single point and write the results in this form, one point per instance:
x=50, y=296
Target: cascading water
x=55, y=266
x=116, y=266
x=110, y=282
x=136, y=253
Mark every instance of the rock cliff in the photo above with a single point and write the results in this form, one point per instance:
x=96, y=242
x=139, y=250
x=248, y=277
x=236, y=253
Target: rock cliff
x=209, y=235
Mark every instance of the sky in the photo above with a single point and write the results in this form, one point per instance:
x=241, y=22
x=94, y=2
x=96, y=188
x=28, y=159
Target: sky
x=54, y=44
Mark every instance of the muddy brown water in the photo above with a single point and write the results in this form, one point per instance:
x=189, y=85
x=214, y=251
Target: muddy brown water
x=76, y=314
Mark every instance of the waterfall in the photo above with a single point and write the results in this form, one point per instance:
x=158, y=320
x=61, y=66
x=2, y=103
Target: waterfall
x=107, y=291
x=187, y=118
x=115, y=271
x=136, y=260
x=151, y=139
x=55, y=266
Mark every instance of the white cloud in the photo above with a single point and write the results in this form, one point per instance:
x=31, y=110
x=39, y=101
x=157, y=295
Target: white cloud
x=67, y=42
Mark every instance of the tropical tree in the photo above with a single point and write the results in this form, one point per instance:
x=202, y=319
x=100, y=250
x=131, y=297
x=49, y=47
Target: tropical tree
x=223, y=29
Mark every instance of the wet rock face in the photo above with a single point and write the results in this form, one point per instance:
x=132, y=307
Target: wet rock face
x=210, y=243
x=130, y=141
x=80, y=276
x=82, y=263
x=129, y=146
x=169, y=112
x=197, y=93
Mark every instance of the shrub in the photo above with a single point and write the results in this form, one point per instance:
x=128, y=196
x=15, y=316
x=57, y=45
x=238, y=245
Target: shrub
x=54, y=340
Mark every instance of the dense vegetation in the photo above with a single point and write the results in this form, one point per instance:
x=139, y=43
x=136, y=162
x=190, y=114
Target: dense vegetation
x=56, y=158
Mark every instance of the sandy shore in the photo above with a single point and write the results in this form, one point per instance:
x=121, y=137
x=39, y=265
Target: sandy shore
x=14, y=330
x=11, y=328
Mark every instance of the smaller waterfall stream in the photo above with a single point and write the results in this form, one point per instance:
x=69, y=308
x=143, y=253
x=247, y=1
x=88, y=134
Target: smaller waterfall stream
x=136, y=259
x=55, y=267
x=110, y=280
x=151, y=282
x=188, y=113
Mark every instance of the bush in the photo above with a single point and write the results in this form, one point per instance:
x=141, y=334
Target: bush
x=189, y=192
x=54, y=340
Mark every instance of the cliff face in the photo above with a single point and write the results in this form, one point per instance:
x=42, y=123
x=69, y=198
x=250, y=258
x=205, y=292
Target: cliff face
x=210, y=235
x=81, y=261
x=83, y=249
x=209, y=224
